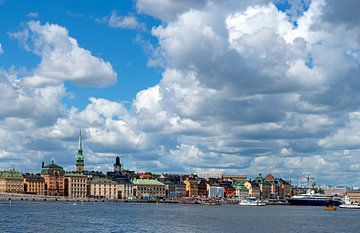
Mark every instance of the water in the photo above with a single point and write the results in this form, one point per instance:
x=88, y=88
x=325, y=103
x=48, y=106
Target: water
x=127, y=217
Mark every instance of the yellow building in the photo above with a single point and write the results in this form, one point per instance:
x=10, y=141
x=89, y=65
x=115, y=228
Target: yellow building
x=148, y=188
x=34, y=184
x=103, y=188
x=354, y=195
x=75, y=185
x=191, y=187
x=254, y=189
x=11, y=182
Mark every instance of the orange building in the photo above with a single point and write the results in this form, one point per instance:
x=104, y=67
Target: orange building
x=54, y=179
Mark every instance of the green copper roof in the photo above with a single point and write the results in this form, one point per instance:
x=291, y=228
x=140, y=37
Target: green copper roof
x=239, y=186
x=100, y=180
x=79, y=156
x=11, y=174
x=147, y=182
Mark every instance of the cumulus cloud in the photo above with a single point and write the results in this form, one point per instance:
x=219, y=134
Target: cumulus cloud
x=254, y=88
x=62, y=58
x=167, y=9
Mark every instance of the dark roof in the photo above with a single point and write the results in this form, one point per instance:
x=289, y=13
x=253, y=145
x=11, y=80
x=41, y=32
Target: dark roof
x=32, y=177
x=51, y=168
x=53, y=165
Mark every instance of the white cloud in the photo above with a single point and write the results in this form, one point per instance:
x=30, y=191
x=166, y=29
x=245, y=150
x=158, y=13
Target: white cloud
x=128, y=22
x=33, y=14
x=167, y=9
x=62, y=58
x=247, y=92
x=1, y=50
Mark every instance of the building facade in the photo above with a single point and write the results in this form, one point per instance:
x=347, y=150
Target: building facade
x=253, y=189
x=124, y=189
x=11, y=182
x=354, y=195
x=75, y=185
x=103, y=188
x=148, y=188
x=54, y=179
x=191, y=187
x=34, y=184
x=216, y=192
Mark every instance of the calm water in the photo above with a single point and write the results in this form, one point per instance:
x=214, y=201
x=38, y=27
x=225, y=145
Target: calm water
x=125, y=217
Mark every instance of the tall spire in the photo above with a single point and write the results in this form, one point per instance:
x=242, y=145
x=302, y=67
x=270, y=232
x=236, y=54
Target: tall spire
x=80, y=142
x=79, y=156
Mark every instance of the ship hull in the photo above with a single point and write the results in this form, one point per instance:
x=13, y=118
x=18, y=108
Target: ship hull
x=310, y=202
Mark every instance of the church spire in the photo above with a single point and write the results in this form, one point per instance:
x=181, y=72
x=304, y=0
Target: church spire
x=80, y=141
x=79, y=156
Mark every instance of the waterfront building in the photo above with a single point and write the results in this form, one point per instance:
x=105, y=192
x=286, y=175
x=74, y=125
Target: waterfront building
x=265, y=187
x=284, y=189
x=235, y=178
x=240, y=190
x=80, y=163
x=34, y=184
x=354, y=195
x=253, y=188
x=202, y=188
x=75, y=185
x=11, y=182
x=122, y=177
x=180, y=190
x=54, y=179
x=191, y=186
x=145, y=175
x=148, y=188
x=103, y=188
x=216, y=192
x=124, y=189
x=334, y=190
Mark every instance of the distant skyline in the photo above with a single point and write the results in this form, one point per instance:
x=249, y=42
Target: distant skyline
x=183, y=86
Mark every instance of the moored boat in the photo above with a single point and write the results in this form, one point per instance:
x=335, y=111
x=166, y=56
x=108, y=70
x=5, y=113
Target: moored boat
x=348, y=204
x=314, y=199
x=251, y=201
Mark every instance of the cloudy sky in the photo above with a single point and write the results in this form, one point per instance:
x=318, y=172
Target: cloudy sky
x=206, y=86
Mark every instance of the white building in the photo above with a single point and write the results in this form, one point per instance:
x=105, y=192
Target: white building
x=216, y=192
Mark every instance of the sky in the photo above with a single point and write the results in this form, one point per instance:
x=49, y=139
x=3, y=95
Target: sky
x=190, y=86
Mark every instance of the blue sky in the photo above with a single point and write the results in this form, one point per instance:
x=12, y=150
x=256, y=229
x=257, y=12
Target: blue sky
x=118, y=46
x=219, y=87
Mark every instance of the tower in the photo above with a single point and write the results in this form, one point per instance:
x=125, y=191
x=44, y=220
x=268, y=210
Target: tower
x=79, y=156
x=117, y=165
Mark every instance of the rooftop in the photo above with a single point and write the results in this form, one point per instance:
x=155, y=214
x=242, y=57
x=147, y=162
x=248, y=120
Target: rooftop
x=11, y=174
x=147, y=182
x=75, y=175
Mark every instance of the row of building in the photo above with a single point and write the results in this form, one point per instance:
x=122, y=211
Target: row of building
x=125, y=184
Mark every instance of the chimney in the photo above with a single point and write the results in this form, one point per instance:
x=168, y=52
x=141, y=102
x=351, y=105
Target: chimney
x=42, y=164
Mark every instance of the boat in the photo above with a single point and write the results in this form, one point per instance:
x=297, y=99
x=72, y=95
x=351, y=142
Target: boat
x=348, y=204
x=314, y=199
x=251, y=201
x=330, y=207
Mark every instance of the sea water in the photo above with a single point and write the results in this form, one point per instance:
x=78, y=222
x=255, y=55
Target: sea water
x=135, y=217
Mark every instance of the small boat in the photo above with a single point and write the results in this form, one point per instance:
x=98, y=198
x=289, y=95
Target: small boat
x=251, y=201
x=330, y=207
x=348, y=204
